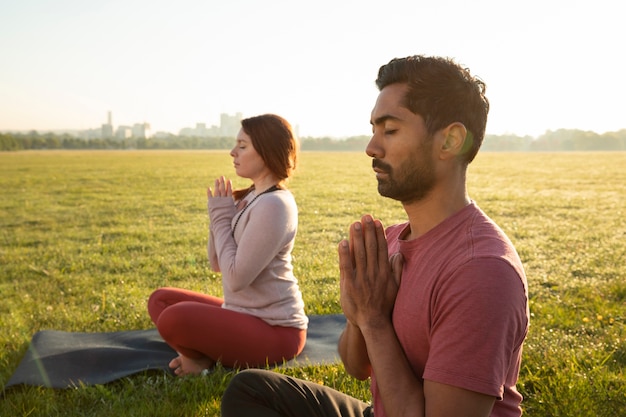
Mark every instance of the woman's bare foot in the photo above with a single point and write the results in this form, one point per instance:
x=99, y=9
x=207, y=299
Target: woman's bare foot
x=183, y=365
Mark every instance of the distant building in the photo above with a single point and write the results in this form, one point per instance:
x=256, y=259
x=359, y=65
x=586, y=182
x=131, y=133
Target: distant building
x=123, y=132
x=230, y=125
x=107, y=128
x=141, y=130
x=200, y=131
x=106, y=131
x=91, y=134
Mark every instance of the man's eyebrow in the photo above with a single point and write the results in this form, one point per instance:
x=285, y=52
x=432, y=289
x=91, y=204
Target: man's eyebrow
x=382, y=119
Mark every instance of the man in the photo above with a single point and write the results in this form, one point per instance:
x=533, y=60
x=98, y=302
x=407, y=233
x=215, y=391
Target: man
x=437, y=307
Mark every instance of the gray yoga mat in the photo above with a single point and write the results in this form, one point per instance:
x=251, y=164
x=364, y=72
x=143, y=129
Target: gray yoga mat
x=58, y=359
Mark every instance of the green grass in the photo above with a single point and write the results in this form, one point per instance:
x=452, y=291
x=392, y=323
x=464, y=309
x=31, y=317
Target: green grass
x=86, y=236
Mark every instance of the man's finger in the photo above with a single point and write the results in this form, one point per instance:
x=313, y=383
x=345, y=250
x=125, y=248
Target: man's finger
x=345, y=260
x=358, y=248
x=397, y=262
x=382, y=254
x=372, y=248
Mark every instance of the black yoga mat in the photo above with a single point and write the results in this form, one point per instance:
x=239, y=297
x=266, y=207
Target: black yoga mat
x=58, y=359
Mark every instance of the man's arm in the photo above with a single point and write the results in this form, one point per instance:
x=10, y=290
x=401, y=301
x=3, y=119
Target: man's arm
x=369, y=285
x=402, y=392
x=353, y=352
x=445, y=401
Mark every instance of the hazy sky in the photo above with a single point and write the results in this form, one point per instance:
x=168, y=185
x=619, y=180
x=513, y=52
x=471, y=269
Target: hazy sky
x=64, y=64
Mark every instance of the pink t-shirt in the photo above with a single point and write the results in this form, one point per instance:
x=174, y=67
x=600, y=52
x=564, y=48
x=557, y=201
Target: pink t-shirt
x=461, y=313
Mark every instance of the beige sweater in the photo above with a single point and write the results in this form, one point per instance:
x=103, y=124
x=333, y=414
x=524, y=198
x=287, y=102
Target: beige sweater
x=257, y=274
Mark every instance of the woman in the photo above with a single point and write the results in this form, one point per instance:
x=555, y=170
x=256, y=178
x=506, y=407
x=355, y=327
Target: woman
x=261, y=318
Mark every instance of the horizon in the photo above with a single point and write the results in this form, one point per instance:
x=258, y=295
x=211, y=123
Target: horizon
x=76, y=131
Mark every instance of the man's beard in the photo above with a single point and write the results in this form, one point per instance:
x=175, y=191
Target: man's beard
x=408, y=183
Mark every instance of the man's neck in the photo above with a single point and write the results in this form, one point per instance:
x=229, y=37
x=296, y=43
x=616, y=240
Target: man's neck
x=427, y=213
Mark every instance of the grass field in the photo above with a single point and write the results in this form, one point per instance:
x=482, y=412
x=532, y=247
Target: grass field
x=86, y=236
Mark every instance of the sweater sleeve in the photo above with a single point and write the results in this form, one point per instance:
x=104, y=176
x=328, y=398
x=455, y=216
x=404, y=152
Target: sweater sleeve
x=213, y=261
x=262, y=232
x=221, y=212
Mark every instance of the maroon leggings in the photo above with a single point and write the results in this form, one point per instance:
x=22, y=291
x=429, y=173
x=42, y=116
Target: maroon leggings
x=197, y=326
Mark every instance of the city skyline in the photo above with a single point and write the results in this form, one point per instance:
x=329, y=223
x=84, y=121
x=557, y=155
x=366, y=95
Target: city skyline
x=229, y=125
x=200, y=129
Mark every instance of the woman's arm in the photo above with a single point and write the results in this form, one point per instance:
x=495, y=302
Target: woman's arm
x=262, y=233
x=213, y=261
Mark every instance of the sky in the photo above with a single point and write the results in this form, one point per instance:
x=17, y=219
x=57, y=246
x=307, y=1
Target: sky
x=64, y=64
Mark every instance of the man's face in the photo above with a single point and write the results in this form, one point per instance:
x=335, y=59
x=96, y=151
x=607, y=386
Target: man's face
x=401, y=148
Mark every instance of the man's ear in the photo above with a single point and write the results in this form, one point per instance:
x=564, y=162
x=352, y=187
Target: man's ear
x=454, y=139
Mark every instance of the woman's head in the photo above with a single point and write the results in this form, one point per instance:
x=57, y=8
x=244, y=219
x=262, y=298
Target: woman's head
x=273, y=139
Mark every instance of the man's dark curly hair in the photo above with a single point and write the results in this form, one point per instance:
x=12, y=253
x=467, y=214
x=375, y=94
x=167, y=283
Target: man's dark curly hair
x=442, y=92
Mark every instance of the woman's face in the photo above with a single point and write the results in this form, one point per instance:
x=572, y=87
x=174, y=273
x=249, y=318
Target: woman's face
x=248, y=163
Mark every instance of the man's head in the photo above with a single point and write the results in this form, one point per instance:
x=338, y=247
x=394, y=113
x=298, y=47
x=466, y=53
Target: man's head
x=442, y=92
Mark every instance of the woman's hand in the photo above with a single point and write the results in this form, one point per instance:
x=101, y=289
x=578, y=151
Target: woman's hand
x=223, y=188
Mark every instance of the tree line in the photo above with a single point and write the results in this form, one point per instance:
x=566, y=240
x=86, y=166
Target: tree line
x=550, y=141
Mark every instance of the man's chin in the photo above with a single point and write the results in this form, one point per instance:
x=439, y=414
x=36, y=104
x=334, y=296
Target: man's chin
x=383, y=189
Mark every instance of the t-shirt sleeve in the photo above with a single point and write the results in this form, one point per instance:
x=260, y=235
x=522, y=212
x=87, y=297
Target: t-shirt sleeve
x=478, y=325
